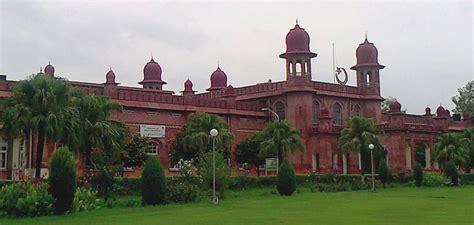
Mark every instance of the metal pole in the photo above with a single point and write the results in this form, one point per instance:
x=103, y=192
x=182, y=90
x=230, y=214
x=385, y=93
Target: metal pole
x=214, y=171
x=372, y=165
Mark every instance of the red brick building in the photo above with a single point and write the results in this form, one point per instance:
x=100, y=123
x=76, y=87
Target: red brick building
x=319, y=110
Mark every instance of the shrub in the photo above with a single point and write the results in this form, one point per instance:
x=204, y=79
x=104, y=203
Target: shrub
x=418, y=174
x=205, y=165
x=452, y=172
x=26, y=199
x=466, y=178
x=182, y=191
x=62, y=180
x=153, y=182
x=433, y=180
x=383, y=172
x=286, y=180
x=85, y=199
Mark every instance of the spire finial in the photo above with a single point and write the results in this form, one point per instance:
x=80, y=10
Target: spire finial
x=41, y=70
x=49, y=62
x=218, y=65
x=296, y=20
x=151, y=54
x=366, y=36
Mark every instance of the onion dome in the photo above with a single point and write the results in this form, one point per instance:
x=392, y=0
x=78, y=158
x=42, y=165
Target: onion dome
x=49, y=69
x=395, y=107
x=367, y=55
x=324, y=112
x=441, y=112
x=110, y=77
x=297, y=41
x=188, y=85
x=230, y=91
x=152, y=73
x=218, y=80
x=427, y=111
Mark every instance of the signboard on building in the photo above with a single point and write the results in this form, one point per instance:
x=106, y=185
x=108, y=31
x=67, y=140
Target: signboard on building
x=152, y=131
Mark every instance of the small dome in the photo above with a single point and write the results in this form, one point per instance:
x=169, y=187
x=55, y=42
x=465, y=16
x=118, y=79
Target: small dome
x=152, y=72
x=188, y=85
x=427, y=111
x=218, y=79
x=324, y=112
x=230, y=91
x=49, y=69
x=297, y=40
x=395, y=107
x=110, y=77
x=441, y=112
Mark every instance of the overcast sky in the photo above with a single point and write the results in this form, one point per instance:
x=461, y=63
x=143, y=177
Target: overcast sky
x=425, y=46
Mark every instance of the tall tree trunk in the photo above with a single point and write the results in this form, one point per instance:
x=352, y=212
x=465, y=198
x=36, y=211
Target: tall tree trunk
x=39, y=150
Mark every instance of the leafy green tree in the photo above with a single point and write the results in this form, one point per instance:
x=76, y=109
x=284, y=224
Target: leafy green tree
x=62, y=180
x=356, y=138
x=449, y=146
x=205, y=170
x=42, y=105
x=134, y=152
x=279, y=138
x=286, y=179
x=194, y=140
x=452, y=172
x=464, y=100
x=248, y=150
x=153, y=182
x=418, y=174
x=384, y=172
x=385, y=105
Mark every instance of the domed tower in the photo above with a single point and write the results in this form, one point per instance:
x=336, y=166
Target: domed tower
x=152, y=76
x=188, y=88
x=218, y=80
x=298, y=54
x=367, y=67
x=49, y=70
x=110, y=78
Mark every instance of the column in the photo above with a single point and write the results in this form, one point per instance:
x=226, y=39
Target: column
x=344, y=164
x=407, y=156
x=359, y=160
x=427, y=157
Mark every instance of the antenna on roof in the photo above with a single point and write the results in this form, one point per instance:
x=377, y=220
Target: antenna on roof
x=333, y=63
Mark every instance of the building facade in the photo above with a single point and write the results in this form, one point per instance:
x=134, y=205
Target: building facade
x=319, y=110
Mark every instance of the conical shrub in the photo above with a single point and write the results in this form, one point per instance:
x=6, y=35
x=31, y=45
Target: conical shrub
x=418, y=174
x=286, y=179
x=62, y=180
x=153, y=182
x=452, y=172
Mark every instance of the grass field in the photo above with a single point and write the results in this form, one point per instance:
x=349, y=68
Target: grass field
x=390, y=206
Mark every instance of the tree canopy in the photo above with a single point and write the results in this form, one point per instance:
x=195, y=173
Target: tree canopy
x=464, y=101
x=280, y=138
x=450, y=147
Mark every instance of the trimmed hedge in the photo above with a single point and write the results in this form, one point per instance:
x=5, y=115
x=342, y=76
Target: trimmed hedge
x=466, y=178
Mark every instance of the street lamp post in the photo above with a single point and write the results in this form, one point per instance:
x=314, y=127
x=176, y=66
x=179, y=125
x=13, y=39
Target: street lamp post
x=274, y=113
x=213, y=134
x=371, y=147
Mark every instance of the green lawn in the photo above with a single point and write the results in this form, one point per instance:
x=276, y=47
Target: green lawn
x=390, y=206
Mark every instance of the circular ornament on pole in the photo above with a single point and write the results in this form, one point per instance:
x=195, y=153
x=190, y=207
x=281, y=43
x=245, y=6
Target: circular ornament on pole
x=340, y=70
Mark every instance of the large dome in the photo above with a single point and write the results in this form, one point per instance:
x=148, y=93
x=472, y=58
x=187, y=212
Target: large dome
x=297, y=40
x=152, y=72
x=367, y=55
x=218, y=79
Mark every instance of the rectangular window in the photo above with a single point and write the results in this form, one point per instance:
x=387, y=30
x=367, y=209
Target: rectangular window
x=173, y=166
x=3, y=154
x=152, y=149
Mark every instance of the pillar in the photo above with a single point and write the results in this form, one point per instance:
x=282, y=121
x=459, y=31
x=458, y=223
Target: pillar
x=407, y=156
x=428, y=157
x=344, y=164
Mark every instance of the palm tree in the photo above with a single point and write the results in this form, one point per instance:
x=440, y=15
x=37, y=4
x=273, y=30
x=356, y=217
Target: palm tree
x=356, y=139
x=449, y=146
x=197, y=135
x=42, y=105
x=280, y=138
x=468, y=140
x=95, y=129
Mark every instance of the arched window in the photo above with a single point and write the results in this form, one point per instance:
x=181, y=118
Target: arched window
x=356, y=111
x=367, y=79
x=3, y=153
x=316, y=110
x=280, y=109
x=298, y=69
x=337, y=114
x=152, y=149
